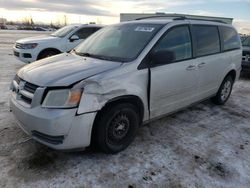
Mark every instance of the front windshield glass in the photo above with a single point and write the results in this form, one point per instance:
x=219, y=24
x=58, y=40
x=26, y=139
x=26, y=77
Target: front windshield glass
x=118, y=42
x=246, y=42
x=63, y=31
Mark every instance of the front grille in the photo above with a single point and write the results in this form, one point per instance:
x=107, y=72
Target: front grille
x=18, y=45
x=244, y=58
x=244, y=53
x=24, y=90
x=47, y=138
x=30, y=87
x=26, y=99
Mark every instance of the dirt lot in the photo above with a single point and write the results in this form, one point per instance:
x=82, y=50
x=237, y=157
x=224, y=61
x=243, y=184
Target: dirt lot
x=202, y=146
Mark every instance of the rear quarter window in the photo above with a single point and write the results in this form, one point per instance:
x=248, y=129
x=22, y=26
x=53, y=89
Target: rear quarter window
x=230, y=38
x=206, y=39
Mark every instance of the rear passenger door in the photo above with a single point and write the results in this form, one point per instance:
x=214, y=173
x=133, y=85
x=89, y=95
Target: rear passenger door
x=210, y=62
x=173, y=84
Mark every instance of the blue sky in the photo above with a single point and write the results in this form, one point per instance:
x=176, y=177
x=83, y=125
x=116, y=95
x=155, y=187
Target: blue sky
x=107, y=11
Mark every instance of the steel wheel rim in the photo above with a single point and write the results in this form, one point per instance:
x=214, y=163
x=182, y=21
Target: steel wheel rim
x=118, y=128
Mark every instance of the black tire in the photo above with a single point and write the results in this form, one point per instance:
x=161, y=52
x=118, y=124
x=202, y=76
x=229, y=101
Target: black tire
x=47, y=53
x=224, y=91
x=116, y=128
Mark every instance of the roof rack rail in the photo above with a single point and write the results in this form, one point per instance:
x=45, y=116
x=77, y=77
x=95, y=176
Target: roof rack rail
x=160, y=16
x=202, y=19
x=173, y=17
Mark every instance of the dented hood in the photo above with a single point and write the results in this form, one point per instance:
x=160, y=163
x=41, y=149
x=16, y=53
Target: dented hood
x=64, y=69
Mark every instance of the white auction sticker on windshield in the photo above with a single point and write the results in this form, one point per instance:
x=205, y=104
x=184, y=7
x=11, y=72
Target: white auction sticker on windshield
x=144, y=29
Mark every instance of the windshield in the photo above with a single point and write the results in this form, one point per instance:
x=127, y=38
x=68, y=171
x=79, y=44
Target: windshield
x=64, y=31
x=118, y=42
x=246, y=42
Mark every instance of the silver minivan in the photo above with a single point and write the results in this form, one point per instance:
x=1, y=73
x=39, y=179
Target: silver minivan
x=122, y=76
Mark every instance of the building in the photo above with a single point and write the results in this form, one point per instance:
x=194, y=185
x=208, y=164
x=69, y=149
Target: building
x=3, y=21
x=132, y=16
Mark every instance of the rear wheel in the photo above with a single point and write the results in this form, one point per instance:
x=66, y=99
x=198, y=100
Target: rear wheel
x=116, y=128
x=224, y=91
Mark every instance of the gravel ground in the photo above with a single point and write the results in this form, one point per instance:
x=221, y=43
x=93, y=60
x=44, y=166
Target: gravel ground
x=201, y=146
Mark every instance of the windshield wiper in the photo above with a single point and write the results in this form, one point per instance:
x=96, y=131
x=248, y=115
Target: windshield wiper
x=83, y=54
x=102, y=57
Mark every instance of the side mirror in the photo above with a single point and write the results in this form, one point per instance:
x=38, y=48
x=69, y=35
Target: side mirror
x=73, y=38
x=162, y=57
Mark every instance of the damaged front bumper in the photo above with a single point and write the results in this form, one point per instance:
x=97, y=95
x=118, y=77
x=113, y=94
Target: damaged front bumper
x=59, y=129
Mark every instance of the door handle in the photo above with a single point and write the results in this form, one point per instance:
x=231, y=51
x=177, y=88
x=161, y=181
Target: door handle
x=201, y=64
x=191, y=67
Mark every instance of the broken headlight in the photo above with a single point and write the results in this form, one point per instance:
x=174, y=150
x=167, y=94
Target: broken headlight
x=62, y=98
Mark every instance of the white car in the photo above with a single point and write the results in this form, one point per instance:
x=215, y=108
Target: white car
x=63, y=40
x=122, y=76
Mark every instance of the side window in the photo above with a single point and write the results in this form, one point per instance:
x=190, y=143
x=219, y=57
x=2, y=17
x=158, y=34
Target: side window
x=231, y=40
x=207, y=40
x=178, y=41
x=84, y=32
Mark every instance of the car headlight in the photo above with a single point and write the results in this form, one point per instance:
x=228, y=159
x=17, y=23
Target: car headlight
x=62, y=98
x=29, y=46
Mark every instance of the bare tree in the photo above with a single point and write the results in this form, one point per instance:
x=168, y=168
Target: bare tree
x=28, y=21
x=65, y=19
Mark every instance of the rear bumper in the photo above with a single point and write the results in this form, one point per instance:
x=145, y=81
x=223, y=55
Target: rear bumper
x=57, y=128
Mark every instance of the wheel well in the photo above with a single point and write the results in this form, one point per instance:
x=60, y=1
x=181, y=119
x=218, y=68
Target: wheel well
x=48, y=49
x=136, y=101
x=232, y=73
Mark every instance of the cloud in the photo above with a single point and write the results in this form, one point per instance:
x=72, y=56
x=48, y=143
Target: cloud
x=243, y=26
x=110, y=9
x=93, y=7
x=85, y=7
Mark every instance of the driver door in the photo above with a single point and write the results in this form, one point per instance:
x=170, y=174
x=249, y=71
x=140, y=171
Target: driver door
x=173, y=84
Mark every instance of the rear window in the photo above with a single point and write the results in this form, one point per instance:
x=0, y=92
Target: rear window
x=231, y=39
x=207, y=40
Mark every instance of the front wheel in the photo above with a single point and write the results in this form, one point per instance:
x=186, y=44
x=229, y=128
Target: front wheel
x=117, y=127
x=47, y=53
x=224, y=91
